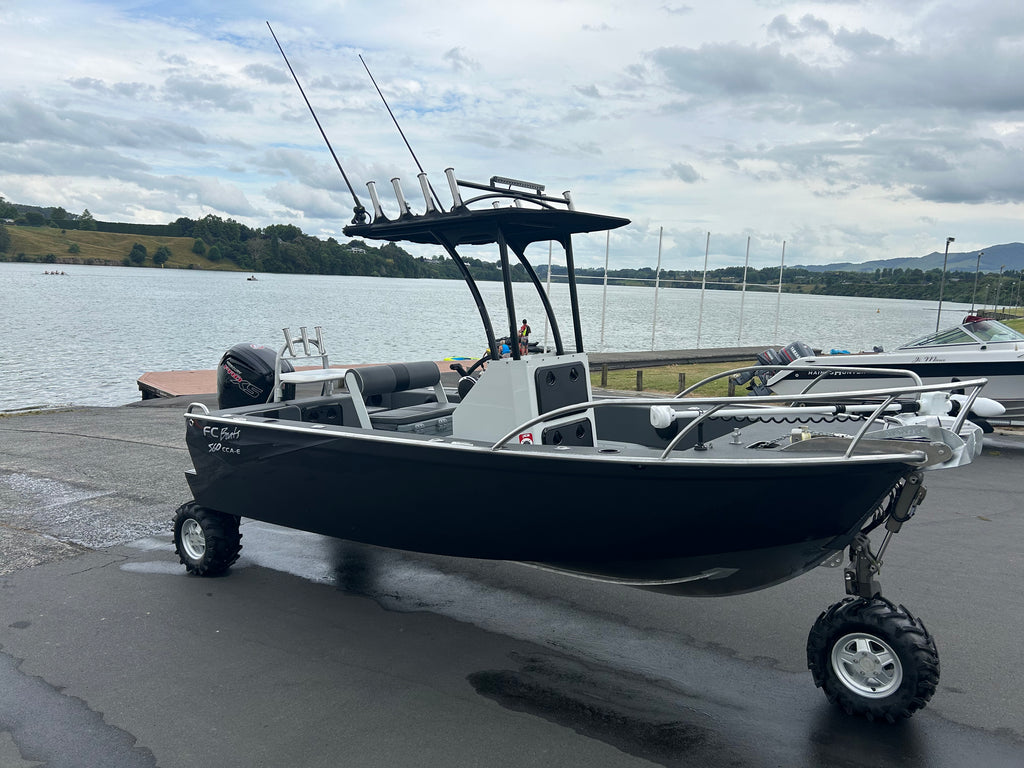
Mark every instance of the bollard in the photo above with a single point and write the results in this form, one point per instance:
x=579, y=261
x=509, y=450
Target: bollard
x=732, y=387
x=640, y=380
x=682, y=382
x=604, y=375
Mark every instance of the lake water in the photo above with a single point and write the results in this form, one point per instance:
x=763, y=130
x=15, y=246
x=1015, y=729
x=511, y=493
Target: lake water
x=86, y=337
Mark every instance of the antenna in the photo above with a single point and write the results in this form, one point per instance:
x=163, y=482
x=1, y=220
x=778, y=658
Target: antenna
x=400, y=131
x=360, y=212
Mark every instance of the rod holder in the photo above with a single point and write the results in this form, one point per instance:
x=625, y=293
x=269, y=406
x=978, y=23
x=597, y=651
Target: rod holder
x=403, y=207
x=568, y=199
x=425, y=188
x=453, y=185
x=378, y=212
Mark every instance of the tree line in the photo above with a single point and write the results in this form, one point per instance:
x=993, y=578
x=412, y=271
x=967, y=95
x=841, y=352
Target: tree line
x=889, y=283
x=284, y=248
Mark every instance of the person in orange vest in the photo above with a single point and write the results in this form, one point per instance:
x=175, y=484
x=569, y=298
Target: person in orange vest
x=524, y=338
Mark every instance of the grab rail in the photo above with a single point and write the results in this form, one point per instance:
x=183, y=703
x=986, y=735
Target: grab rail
x=825, y=369
x=867, y=425
x=890, y=394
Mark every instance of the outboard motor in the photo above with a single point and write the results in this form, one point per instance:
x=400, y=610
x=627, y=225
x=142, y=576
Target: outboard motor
x=769, y=357
x=758, y=380
x=792, y=351
x=245, y=376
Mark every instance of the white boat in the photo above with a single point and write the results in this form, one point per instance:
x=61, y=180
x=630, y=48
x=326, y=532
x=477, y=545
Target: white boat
x=977, y=348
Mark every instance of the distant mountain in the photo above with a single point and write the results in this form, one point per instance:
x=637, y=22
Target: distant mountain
x=1010, y=256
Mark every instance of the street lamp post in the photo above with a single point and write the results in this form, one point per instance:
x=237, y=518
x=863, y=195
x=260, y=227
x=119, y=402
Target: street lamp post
x=942, y=285
x=999, y=284
x=975, y=291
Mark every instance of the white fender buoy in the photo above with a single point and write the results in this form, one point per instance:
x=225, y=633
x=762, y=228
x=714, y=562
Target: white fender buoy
x=983, y=407
x=662, y=416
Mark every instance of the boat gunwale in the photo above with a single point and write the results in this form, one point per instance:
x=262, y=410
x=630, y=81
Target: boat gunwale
x=753, y=401
x=586, y=454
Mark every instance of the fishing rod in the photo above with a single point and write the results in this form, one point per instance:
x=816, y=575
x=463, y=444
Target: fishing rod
x=360, y=216
x=401, y=133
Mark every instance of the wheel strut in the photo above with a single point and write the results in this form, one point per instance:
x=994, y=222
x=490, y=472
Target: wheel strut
x=861, y=573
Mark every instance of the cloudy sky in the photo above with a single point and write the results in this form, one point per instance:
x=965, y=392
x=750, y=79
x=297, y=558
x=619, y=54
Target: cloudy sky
x=849, y=130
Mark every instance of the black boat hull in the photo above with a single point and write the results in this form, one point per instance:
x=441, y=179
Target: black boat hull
x=704, y=529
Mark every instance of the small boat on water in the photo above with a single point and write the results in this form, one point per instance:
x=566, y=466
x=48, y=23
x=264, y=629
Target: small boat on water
x=977, y=347
x=685, y=495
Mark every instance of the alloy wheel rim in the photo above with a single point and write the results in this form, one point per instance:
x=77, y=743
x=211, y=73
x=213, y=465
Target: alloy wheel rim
x=867, y=665
x=193, y=541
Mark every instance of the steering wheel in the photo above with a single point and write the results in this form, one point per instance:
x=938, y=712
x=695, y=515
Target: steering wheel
x=463, y=372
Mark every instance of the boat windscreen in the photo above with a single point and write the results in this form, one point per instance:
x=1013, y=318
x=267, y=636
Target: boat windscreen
x=975, y=332
x=949, y=336
x=992, y=330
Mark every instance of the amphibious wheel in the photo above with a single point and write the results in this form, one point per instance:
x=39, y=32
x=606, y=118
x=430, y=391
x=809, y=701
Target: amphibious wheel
x=206, y=541
x=873, y=658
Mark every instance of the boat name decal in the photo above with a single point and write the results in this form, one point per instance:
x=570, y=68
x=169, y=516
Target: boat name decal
x=221, y=448
x=834, y=373
x=222, y=433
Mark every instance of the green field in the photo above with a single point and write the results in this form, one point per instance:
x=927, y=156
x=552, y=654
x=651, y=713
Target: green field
x=50, y=245
x=665, y=379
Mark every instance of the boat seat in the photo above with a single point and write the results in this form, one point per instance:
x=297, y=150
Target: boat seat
x=302, y=347
x=397, y=377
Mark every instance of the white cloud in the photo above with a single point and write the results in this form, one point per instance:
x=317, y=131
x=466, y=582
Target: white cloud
x=850, y=130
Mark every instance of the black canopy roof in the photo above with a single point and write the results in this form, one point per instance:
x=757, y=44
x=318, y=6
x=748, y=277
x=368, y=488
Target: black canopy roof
x=482, y=226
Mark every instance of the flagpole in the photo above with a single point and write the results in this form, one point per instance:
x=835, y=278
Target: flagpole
x=657, y=282
x=604, y=299
x=703, y=284
x=743, y=292
x=778, y=301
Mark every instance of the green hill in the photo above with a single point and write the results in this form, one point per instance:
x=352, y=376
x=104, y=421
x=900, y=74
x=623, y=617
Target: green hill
x=56, y=246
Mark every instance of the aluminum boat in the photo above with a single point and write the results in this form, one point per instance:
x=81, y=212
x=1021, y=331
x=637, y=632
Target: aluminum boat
x=689, y=495
x=694, y=496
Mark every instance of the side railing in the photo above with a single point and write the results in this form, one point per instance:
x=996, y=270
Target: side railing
x=875, y=403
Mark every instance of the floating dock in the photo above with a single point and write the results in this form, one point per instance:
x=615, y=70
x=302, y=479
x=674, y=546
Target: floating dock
x=175, y=383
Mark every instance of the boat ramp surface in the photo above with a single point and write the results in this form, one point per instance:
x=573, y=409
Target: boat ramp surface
x=317, y=652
